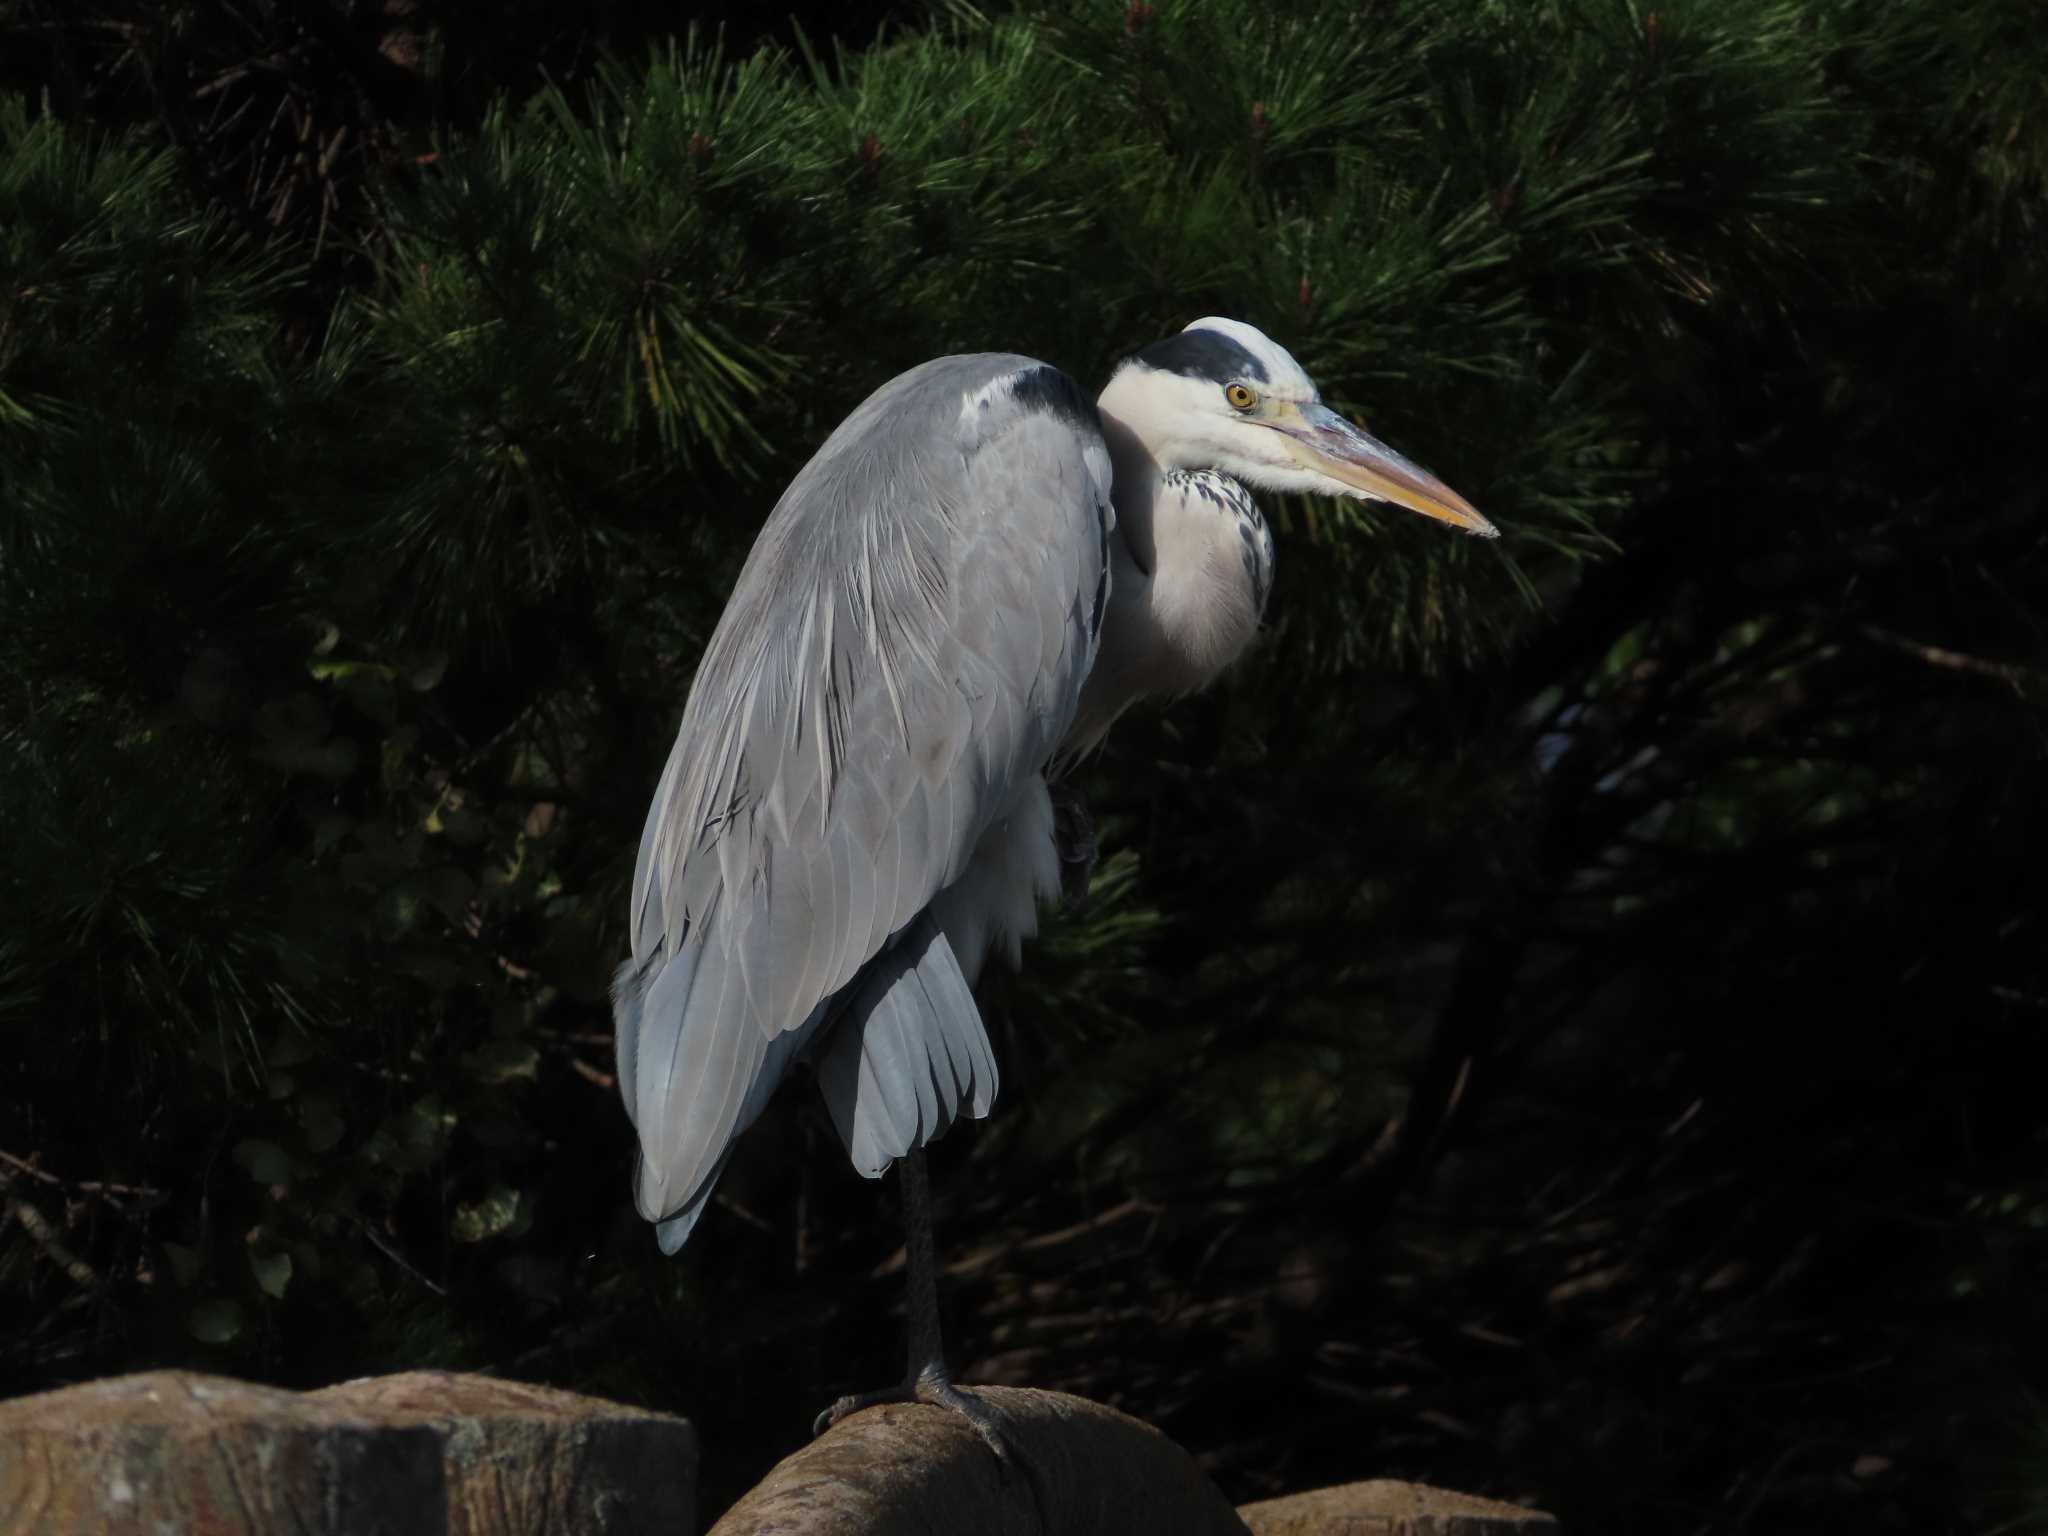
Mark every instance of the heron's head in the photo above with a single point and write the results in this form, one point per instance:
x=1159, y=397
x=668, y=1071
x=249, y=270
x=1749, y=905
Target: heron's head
x=1222, y=395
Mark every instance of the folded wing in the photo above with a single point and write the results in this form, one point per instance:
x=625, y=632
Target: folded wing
x=902, y=652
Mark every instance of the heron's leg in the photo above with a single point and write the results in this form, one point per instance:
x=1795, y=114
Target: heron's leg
x=927, y=1349
x=928, y=1380
x=1073, y=835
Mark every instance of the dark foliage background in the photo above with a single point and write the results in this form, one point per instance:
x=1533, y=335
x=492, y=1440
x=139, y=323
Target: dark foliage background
x=1555, y=1023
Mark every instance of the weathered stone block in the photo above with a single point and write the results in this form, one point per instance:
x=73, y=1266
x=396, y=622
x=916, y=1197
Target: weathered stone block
x=1382, y=1508
x=424, y=1454
x=520, y=1458
x=169, y=1451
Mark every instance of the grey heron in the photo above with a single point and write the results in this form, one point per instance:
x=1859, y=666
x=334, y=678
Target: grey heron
x=974, y=576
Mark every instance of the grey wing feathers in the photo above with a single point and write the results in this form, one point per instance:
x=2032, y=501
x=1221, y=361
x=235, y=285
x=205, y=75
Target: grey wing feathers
x=905, y=646
x=910, y=1053
x=719, y=1078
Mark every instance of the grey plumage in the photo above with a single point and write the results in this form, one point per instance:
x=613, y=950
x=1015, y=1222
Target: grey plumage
x=910, y=1055
x=977, y=572
x=903, y=650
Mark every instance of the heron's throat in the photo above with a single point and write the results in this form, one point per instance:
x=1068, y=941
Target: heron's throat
x=1182, y=604
x=1136, y=474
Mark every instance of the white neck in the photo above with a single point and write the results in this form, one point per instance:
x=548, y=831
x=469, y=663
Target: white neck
x=1180, y=606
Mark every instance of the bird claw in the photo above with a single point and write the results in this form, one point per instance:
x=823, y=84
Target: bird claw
x=851, y=1404
x=976, y=1410
x=936, y=1389
x=1073, y=837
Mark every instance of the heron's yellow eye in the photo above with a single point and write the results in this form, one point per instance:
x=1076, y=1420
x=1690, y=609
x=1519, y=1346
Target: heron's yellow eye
x=1241, y=397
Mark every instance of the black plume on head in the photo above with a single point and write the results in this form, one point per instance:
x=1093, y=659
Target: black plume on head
x=1203, y=354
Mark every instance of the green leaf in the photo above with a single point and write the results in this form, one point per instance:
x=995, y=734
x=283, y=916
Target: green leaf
x=502, y=1212
x=273, y=1272
x=264, y=1161
x=415, y=1137
x=425, y=671
x=500, y=1061
x=322, y=1123
x=215, y=1321
x=186, y=1263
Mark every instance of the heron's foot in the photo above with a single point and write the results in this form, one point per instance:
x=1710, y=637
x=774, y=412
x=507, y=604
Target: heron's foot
x=847, y=1406
x=1073, y=836
x=935, y=1387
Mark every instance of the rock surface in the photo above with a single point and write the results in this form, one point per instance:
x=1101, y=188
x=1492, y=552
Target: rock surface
x=172, y=1451
x=522, y=1458
x=416, y=1455
x=904, y=1469
x=433, y=1453
x=1381, y=1508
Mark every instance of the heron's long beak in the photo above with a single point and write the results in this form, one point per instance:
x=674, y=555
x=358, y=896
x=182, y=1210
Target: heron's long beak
x=1328, y=444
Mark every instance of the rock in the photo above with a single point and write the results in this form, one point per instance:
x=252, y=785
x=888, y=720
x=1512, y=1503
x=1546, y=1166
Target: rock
x=173, y=1451
x=433, y=1453
x=1381, y=1508
x=520, y=1458
x=415, y=1455
x=903, y=1469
